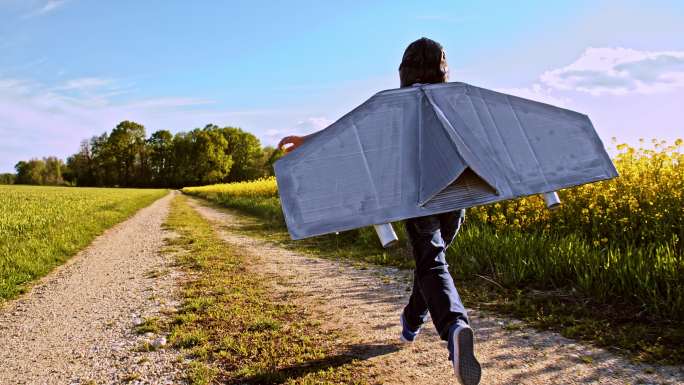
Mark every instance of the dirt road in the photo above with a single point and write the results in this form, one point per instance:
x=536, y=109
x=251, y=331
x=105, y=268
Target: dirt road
x=367, y=303
x=76, y=326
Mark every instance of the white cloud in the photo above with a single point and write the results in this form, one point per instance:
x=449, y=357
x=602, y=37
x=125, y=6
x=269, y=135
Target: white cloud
x=628, y=94
x=539, y=93
x=619, y=71
x=312, y=124
x=303, y=127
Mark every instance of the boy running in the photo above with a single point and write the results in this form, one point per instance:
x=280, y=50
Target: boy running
x=434, y=292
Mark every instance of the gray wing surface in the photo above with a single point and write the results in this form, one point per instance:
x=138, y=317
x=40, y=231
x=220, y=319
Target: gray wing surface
x=424, y=150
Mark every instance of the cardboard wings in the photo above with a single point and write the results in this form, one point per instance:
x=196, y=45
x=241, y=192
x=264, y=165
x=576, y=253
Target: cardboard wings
x=428, y=149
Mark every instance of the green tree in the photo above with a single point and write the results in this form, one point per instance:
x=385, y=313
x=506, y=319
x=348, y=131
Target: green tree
x=125, y=157
x=245, y=150
x=160, y=149
x=46, y=171
x=52, y=173
x=7, y=178
x=30, y=172
x=181, y=161
x=81, y=166
x=125, y=150
x=212, y=160
x=104, y=167
x=269, y=155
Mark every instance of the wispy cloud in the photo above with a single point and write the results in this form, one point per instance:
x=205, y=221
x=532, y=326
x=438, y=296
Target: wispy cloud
x=81, y=94
x=46, y=7
x=539, y=93
x=29, y=65
x=619, y=71
x=16, y=86
x=85, y=84
x=303, y=127
x=51, y=5
x=38, y=119
x=171, y=102
x=442, y=18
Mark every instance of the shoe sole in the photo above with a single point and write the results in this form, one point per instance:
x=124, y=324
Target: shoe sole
x=468, y=370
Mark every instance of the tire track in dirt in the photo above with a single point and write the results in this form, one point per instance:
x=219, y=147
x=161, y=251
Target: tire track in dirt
x=76, y=326
x=367, y=303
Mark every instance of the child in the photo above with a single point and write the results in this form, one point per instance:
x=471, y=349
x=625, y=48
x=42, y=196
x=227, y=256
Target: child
x=433, y=291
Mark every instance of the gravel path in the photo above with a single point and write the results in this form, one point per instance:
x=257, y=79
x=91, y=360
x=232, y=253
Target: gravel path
x=77, y=325
x=367, y=303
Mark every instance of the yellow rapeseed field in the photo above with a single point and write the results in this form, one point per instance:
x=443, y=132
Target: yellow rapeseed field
x=642, y=205
x=620, y=238
x=264, y=187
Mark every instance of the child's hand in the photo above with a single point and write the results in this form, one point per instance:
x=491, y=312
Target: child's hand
x=294, y=141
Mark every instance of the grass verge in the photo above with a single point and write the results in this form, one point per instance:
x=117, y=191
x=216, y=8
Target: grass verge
x=41, y=227
x=619, y=325
x=234, y=329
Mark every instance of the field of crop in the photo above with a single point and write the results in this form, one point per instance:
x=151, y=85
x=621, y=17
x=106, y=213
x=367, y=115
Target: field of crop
x=617, y=242
x=41, y=227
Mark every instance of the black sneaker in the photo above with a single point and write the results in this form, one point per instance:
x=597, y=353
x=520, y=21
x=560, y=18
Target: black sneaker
x=461, y=354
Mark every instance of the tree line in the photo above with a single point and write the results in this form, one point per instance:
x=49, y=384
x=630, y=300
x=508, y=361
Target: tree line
x=46, y=171
x=126, y=157
x=7, y=178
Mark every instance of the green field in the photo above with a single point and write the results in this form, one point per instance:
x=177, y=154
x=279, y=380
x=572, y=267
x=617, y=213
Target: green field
x=41, y=227
x=607, y=266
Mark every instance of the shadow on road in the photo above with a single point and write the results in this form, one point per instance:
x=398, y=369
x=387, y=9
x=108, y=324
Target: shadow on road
x=351, y=353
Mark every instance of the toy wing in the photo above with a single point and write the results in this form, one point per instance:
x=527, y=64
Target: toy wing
x=429, y=149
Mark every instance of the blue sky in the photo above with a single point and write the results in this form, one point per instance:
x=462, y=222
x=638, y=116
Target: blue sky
x=75, y=68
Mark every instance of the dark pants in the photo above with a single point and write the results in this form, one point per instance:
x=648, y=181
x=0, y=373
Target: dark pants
x=433, y=286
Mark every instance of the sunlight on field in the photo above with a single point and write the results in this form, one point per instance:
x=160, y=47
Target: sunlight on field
x=618, y=241
x=41, y=227
x=260, y=188
x=642, y=205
